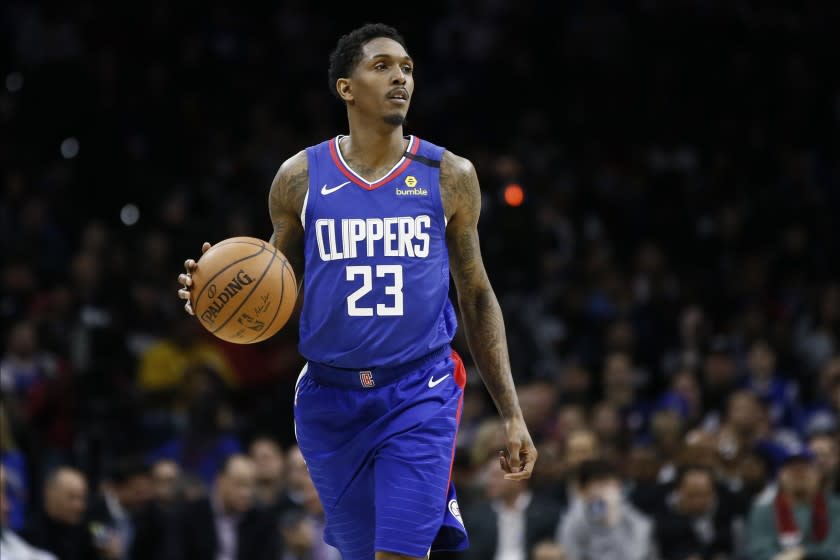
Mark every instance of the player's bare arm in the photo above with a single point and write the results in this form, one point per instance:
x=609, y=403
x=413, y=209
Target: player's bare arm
x=285, y=202
x=480, y=310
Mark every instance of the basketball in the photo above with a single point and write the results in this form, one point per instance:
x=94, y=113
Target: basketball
x=244, y=290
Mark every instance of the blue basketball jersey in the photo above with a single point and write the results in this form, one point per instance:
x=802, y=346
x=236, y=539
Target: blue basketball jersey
x=376, y=283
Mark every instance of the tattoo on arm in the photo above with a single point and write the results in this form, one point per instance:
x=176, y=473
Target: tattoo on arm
x=285, y=202
x=480, y=310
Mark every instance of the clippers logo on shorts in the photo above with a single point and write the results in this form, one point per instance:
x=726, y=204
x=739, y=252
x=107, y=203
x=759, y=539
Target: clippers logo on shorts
x=366, y=377
x=455, y=510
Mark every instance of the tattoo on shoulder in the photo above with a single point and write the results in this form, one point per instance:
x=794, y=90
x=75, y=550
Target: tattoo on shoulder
x=459, y=186
x=289, y=187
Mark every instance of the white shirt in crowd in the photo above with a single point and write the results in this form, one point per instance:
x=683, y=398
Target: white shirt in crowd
x=511, y=528
x=12, y=547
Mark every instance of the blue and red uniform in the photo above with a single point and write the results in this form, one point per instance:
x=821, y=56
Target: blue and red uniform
x=378, y=403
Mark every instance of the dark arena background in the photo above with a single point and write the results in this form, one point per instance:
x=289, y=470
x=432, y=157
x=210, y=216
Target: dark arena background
x=660, y=221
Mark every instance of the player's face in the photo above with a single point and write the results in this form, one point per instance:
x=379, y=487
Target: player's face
x=383, y=81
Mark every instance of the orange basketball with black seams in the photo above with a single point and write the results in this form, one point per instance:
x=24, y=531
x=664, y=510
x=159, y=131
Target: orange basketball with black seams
x=243, y=290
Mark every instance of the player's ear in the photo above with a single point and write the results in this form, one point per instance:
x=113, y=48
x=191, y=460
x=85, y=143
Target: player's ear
x=342, y=86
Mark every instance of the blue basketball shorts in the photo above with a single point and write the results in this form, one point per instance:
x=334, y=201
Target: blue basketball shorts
x=379, y=446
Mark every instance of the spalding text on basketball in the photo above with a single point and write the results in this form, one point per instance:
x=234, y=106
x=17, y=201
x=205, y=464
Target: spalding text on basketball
x=225, y=295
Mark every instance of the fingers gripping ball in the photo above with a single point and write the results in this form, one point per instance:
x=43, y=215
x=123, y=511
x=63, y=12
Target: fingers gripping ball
x=243, y=290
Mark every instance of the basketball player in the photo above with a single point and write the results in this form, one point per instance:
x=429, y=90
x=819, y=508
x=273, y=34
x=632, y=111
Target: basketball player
x=374, y=222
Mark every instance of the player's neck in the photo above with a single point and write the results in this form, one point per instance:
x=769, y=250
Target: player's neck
x=374, y=147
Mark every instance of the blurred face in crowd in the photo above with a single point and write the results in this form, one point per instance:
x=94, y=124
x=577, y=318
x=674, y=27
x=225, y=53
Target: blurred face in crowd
x=753, y=471
x=581, y=445
x=65, y=496
x=696, y=493
x=496, y=487
x=762, y=360
x=744, y=412
x=134, y=492
x=719, y=370
x=297, y=475
x=570, y=418
x=268, y=460
x=537, y=402
x=827, y=455
x=685, y=385
x=606, y=421
x=618, y=379
x=602, y=497
x=642, y=464
x=800, y=479
x=165, y=477
x=236, y=485
x=667, y=429
x=23, y=340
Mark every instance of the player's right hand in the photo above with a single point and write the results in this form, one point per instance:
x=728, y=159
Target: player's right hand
x=185, y=279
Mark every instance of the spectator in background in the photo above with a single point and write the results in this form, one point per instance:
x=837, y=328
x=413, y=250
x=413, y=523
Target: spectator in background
x=684, y=397
x=125, y=491
x=826, y=449
x=12, y=547
x=801, y=521
x=15, y=495
x=270, y=464
x=157, y=531
x=824, y=411
x=606, y=422
x=302, y=528
x=37, y=392
x=621, y=383
x=693, y=522
x=510, y=520
x=778, y=393
x=580, y=445
x=209, y=436
x=60, y=527
x=719, y=378
x=226, y=525
x=25, y=365
x=166, y=482
x=602, y=524
x=746, y=430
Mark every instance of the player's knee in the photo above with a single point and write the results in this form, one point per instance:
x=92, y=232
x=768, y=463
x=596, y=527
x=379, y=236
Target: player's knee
x=392, y=556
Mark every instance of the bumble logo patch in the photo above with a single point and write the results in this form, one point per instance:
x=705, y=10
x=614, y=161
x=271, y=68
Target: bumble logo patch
x=412, y=188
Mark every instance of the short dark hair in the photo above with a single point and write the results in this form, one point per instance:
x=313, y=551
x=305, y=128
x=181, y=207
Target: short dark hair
x=596, y=470
x=689, y=468
x=123, y=469
x=348, y=50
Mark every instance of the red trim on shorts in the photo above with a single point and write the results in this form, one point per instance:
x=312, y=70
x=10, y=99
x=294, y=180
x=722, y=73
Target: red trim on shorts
x=352, y=176
x=460, y=371
x=460, y=374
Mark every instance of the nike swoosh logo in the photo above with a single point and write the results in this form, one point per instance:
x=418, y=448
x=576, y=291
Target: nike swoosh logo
x=325, y=190
x=435, y=382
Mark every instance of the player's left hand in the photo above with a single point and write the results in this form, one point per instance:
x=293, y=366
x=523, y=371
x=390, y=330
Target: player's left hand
x=518, y=459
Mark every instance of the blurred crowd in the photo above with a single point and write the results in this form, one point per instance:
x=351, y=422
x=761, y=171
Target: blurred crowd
x=669, y=282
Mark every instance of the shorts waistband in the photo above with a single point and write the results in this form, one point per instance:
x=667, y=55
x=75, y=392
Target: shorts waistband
x=369, y=378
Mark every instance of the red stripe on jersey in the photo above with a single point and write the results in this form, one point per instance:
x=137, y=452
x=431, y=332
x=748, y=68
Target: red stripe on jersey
x=352, y=176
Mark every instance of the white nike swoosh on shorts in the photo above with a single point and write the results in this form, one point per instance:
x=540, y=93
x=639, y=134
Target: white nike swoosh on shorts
x=325, y=190
x=435, y=382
